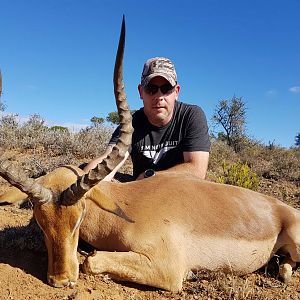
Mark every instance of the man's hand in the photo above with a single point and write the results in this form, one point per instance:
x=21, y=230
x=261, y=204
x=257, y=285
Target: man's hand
x=141, y=176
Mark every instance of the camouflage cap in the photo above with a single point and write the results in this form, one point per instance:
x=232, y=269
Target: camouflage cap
x=158, y=66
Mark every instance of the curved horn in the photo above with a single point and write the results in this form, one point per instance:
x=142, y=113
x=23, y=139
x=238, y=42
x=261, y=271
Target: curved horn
x=17, y=178
x=84, y=183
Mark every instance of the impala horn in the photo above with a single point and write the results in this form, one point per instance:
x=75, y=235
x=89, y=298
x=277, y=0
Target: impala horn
x=84, y=183
x=17, y=178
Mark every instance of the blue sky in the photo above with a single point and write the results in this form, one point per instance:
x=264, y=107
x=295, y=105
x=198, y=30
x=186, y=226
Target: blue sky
x=57, y=57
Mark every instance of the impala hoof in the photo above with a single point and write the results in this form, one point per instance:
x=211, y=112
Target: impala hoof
x=92, y=264
x=86, y=266
x=285, y=273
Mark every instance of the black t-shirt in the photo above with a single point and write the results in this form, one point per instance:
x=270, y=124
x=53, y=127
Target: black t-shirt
x=160, y=148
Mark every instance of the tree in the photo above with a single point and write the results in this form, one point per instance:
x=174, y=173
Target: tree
x=96, y=121
x=59, y=128
x=113, y=117
x=222, y=136
x=297, y=140
x=231, y=115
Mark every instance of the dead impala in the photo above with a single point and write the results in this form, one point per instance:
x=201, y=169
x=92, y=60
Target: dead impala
x=156, y=230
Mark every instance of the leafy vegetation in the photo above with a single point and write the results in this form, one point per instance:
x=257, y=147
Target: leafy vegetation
x=239, y=174
x=59, y=128
x=97, y=121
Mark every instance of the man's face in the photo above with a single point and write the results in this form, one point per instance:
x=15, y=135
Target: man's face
x=158, y=106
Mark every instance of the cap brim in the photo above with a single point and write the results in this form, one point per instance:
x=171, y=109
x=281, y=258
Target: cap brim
x=151, y=76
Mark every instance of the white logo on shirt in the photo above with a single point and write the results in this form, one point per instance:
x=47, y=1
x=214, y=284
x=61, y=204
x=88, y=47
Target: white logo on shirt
x=157, y=152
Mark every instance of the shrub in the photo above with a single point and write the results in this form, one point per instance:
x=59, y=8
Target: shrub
x=59, y=128
x=239, y=174
x=45, y=149
x=273, y=162
x=219, y=153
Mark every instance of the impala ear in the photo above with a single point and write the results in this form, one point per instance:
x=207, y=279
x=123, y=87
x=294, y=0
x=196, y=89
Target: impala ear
x=104, y=202
x=12, y=195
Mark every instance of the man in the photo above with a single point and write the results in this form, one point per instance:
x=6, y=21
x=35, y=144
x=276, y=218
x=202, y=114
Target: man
x=168, y=134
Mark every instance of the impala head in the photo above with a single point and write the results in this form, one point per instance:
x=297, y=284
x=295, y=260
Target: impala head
x=58, y=198
x=60, y=225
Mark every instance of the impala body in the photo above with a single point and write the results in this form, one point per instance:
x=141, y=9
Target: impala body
x=173, y=223
x=156, y=230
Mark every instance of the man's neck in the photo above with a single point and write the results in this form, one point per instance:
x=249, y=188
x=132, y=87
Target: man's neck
x=160, y=123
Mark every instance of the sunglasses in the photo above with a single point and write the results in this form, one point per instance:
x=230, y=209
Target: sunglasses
x=152, y=89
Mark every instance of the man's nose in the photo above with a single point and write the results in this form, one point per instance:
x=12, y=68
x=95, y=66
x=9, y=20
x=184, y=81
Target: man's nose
x=159, y=95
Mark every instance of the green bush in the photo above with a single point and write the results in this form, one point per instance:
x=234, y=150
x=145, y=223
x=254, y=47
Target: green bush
x=239, y=174
x=59, y=128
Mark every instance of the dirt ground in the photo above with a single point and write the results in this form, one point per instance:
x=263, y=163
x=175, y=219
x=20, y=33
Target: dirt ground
x=23, y=267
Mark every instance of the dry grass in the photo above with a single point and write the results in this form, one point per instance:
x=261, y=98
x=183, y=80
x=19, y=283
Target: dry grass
x=46, y=149
x=270, y=163
x=277, y=168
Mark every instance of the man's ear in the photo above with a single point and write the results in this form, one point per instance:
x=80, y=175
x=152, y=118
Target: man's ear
x=140, y=88
x=177, y=90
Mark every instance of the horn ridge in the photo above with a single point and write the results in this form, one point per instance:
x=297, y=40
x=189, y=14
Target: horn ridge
x=75, y=192
x=17, y=178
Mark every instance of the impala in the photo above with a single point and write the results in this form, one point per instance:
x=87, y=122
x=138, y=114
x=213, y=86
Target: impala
x=152, y=231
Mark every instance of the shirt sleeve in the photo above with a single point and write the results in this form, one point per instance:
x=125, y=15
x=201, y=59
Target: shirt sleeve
x=196, y=136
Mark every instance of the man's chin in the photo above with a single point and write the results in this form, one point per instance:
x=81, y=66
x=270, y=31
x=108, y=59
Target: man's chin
x=159, y=119
x=160, y=115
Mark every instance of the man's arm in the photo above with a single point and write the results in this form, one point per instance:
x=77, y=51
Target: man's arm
x=195, y=163
x=195, y=144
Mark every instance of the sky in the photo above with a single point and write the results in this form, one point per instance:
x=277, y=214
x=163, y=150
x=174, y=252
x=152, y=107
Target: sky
x=57, y=58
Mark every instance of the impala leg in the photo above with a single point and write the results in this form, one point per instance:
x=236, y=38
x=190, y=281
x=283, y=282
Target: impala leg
x=136, y=267
x=291, y=237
